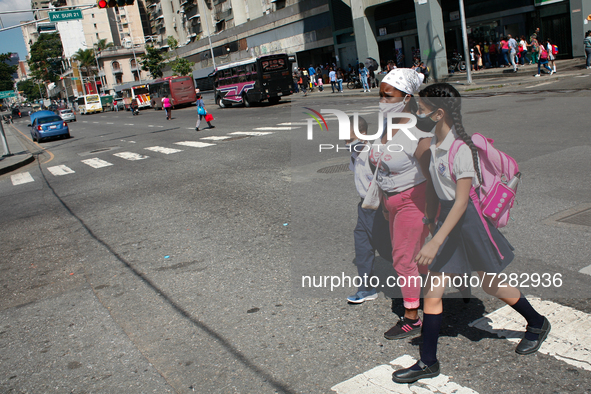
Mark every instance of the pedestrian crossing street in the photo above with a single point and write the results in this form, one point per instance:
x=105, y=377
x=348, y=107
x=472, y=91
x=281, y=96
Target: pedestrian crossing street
x=569, y=341
x=96, y=163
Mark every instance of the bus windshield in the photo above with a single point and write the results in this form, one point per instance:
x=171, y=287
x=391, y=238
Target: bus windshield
x=93, y=98
x=279, y=64
x=142, y=90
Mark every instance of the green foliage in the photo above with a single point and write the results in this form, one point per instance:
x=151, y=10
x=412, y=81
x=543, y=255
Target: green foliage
x=6, y=71
x=30, y=89
x=102, y=44
x=86, y=59
x=46, y=55
x=153, y=62
x=180, y=66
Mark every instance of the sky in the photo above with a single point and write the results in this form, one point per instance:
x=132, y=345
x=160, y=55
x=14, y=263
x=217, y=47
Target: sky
x=12, y=40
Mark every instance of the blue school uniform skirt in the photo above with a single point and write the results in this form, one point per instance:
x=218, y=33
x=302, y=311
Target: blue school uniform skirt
x=468, y=247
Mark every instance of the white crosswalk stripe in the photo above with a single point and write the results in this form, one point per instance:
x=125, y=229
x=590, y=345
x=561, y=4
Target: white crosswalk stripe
x=23, y=177
x=379, y=381
x=569, y=339
x=216, y=138
x=60, y=170
x=253, y=133
x=277, y=128
x=194, y=144
x=130, y=156
x=96, y=163
x=160, y=149
x=293, y=124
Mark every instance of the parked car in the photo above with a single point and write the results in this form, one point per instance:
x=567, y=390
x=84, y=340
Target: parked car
x=16, y=112
x=67, y=114
x=45, y=124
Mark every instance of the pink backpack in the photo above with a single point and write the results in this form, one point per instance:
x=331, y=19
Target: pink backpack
x=496, y=169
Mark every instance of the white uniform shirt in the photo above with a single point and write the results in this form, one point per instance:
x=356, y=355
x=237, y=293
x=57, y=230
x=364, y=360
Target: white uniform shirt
x=463, y=166
x=360, y=166
x=399, y=168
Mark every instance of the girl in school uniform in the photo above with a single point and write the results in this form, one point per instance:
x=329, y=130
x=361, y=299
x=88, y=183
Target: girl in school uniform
x=460, y=243
x=404, y=179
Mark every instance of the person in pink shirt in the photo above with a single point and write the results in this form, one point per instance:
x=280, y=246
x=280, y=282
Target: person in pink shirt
x=167, y=107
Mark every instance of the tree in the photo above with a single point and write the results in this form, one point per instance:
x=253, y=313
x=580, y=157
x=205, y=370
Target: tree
x=101, y=45
x=30, y=89
x=6, y=71
x=46, y=55
x=86, y=59
x=153, y=62
x=180, y=65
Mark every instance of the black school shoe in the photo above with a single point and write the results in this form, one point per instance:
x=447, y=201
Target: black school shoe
x=408, y=375
x=527, y=346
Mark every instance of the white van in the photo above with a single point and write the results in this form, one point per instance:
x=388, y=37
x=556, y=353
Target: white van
x=89, y=104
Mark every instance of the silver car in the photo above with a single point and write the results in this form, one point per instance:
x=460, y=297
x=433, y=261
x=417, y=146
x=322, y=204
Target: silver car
x=67, y=115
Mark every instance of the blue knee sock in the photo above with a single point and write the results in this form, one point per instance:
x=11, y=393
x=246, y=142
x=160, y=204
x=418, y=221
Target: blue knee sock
x=534, y=319
x=431, y=326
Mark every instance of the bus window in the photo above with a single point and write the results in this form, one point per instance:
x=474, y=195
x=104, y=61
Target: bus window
x=80, y=101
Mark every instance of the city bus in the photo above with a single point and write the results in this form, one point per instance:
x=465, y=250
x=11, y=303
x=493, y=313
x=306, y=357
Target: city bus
x=140, y=92
x=253, y=80
x=89, y=104
x=181, y=90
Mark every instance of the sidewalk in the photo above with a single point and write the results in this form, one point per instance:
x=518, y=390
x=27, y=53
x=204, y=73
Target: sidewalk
x=19, y=157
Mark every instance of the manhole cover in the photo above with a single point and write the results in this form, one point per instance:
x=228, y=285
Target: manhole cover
x=582, y=218
x=334, y=169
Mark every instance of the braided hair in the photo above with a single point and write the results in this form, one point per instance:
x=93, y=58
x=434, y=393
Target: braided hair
x=453, y=108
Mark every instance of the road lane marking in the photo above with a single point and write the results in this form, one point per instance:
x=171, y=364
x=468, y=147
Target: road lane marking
x=84, y=121
x=216, y=138
x=94, y=122
x=255, y=133
x=194, y=144
x=130, y=156
x=372, y=107
x=96, y=163
x=150, y=125
x=128, y=124
x=60, y=170
x=276, y=128
x=586, y=270
x=570, y=337
x=110, y=123
x=293, y=124
x=160, y=149
x=540, y=84
x=378, y=380
x=23, y=177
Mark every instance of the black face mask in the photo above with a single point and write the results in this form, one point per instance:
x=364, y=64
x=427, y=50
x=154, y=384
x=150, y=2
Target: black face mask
x=424, y=121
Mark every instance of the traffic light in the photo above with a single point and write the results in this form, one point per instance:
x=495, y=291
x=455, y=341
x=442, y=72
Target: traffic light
x=114, y=3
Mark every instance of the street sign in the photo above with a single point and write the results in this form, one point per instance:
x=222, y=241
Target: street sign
x=62, y=16
x=7, y=93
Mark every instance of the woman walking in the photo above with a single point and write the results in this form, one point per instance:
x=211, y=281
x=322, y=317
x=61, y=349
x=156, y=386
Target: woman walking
x=167, y=107
x=523, y=51
x=404, y=179
x=202, y=113
x=460, y=243
x=504, y=51
x=363, y=74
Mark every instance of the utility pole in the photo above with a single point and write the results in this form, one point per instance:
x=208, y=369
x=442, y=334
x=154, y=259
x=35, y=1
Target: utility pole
x=208, y=31
x=465, y=39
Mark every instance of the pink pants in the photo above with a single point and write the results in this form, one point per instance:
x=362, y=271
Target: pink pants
x=408, y=236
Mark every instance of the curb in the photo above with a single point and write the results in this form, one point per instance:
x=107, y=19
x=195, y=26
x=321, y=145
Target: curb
x=29, y=158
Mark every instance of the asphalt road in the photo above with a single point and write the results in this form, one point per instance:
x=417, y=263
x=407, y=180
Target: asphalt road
x=180, y=271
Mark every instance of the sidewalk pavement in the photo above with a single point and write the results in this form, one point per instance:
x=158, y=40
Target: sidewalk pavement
x=19, y=157
x=487, y=78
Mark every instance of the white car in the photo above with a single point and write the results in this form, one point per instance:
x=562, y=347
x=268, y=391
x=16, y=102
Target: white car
x=67, y=115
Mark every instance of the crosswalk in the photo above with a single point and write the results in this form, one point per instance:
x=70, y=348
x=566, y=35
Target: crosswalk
x=96, y=163
x=568, y=341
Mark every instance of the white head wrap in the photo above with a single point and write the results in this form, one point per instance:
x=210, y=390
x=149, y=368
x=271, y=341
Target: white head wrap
x=404, y=79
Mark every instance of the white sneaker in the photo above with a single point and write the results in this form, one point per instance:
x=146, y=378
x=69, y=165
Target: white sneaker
x=364, y=90
x=369, y=90
x=537, y=75
x=551, y=72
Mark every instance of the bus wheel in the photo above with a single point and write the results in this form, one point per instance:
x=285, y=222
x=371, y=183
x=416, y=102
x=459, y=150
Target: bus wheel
x=274, y=100
x=221, y=102
x=246, y=101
